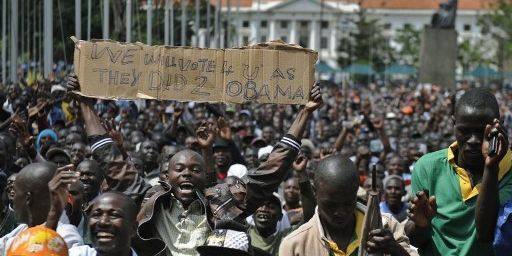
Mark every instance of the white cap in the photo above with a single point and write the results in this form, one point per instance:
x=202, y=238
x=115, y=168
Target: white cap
x=265, y=150
x=238, y=170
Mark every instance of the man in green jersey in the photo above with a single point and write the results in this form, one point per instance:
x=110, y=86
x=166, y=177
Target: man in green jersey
x=448, y=183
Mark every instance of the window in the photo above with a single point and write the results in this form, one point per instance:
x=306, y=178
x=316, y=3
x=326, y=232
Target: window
x=284, y=24
x=324, y=24
x=467, y=27
x=245, y=40
x=323, y=42
x=245, y=24
x=284, y=38
x=407, y=26
x=304, y=23
x=264, y=23
x=263, y=38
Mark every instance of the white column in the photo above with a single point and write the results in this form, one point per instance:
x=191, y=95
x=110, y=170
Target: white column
x=254, y=38
x=293, y=32
x=48, y=37
x=78, y=19
x=172, y=22
x=106, y=19
x=89, y=19
x=128, y=20
x=14, y=40
x=197, y=21
x=272, y=30
x=333, y=44
x=202, y=37
x=149, y=22
x=314, y=36
x=166, y=22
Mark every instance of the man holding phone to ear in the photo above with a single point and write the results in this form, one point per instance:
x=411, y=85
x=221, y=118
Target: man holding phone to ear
x=460, y=189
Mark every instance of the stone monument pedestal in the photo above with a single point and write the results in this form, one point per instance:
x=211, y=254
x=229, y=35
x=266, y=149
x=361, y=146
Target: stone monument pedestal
x=438, y=57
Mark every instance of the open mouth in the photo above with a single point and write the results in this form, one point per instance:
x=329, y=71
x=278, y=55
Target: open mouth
x=186, y=187
x=104, y=236
x=263, y=218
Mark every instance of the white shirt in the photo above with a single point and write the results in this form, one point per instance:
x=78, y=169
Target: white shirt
x=67, y=231
x=85, y=250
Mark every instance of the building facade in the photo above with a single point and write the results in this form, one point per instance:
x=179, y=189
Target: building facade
x=319, y=25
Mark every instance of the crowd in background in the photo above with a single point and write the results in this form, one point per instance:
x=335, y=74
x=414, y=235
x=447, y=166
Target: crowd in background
x=386, y=128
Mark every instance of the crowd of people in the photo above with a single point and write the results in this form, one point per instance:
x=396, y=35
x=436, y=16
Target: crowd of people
x=85, y=176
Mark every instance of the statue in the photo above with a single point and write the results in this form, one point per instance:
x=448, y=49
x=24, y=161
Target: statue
x=444, y=18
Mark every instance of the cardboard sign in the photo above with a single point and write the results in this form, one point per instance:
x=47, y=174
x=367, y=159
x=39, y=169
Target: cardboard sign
x=274, y=72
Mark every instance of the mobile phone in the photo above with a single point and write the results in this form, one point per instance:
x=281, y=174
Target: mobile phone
x=493, y=145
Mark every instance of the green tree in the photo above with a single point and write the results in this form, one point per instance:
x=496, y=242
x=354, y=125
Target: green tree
x=409, y=41
x=472, y=53
x=365, y=44
x=498, y=25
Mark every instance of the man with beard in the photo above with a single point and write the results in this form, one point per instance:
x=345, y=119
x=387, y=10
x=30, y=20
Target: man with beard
x=336, y=226
x=176, y=221
x=91, y=175
x=112, y=223
x=447, y=183
x=394, y=190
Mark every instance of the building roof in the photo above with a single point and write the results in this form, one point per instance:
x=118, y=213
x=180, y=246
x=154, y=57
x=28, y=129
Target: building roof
x=365, y=4
x=425, y=4
x=386, y=4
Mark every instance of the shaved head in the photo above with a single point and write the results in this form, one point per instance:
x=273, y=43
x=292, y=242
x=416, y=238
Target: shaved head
x=337, y=171
x=31, y=193
x=35, y=177
x=336, y=183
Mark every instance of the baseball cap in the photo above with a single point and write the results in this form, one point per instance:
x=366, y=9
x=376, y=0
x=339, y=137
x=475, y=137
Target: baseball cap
x=38, y=241
x=57, y=151
x=220, y=143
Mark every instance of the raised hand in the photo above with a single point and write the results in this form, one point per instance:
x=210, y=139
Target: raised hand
x=58, y=186
x=224, y=129
x=315, y=98
x=422, y=209
x=205, y=134
x=19, y=126
x=114, y=134
x=300, y=163
x=495, y=130
x=327, y=152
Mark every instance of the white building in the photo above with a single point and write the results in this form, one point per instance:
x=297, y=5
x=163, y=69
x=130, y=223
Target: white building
x=318, y=24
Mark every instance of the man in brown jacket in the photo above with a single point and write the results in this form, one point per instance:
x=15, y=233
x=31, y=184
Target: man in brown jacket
x=177, y=219
x=336, y=227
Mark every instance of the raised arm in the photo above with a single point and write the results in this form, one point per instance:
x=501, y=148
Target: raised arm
x=206, y=133
x=266, y=178
x=487, y=203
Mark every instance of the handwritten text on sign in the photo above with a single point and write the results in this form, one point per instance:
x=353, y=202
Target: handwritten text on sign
x=127, y=71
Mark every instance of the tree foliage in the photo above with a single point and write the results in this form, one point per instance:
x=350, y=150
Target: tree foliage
x=498, y=25
x=365, y=43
